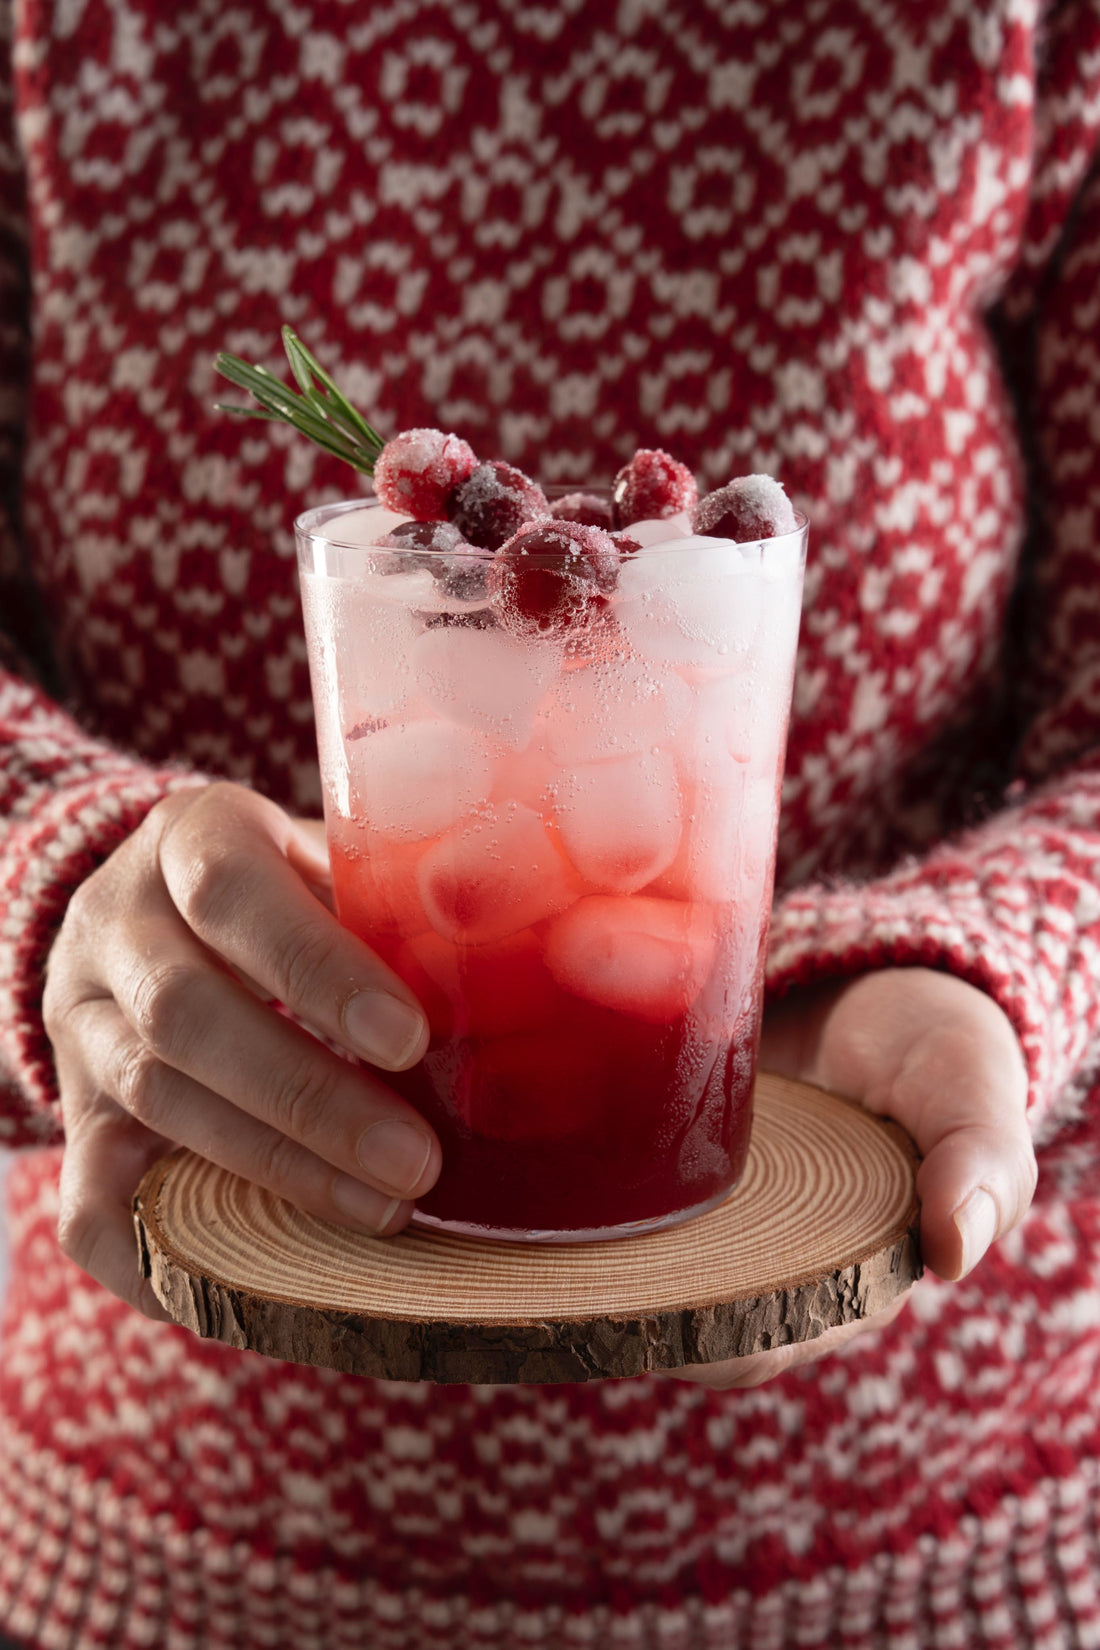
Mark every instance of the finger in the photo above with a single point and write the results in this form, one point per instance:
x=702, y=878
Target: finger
x=175, y=1108
x=757, y=1368
x=228, y=869
x=204, y=1024
x=958, y=1086
x=106, y=1154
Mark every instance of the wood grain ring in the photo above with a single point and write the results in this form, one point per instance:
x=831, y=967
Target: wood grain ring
x=822, y=1230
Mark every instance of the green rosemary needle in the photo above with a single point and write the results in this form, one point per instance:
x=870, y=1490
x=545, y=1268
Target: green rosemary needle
x=318, y=409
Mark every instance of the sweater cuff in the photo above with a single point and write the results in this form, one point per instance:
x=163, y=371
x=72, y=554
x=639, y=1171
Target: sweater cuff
x=834, y=932
x=48, y=855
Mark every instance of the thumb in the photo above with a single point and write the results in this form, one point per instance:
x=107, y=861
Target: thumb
x=965, y=1108
x=941, y=1058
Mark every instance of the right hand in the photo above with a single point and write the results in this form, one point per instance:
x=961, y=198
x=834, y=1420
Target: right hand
x=159, y=1006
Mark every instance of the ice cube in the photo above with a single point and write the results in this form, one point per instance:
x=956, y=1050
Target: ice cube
x=530, y=776
x=481, y=990
x=377, y=890
x=426, y=591
x=660, y=530
x=639, y=955
x=484, y=679
x=359, y=650
x=697, y=604
x=620, y=821
x=727, y=848
x=415, y=779
x=363, y=527
x=495, y=873
x=612, y=707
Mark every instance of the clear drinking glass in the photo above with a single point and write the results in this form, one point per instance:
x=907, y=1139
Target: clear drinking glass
x=563, y=840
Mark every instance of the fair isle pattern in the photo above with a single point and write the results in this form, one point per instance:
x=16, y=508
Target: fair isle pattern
x=921, y=1491
x=766, y=235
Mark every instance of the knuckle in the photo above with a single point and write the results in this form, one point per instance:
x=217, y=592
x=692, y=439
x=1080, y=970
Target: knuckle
x=303, y=1104
x=302, y=957
x=211, y=886
x=138, y=1082
x=162, y=998
x=76, y=1231
x=277, y=1164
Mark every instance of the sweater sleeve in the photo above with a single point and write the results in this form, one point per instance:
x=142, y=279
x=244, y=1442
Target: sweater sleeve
x=1013, y=905
x=66, y=800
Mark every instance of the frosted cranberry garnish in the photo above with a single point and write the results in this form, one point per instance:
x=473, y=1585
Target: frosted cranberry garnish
x=551, y=575
x=651, y=486
x=493, y=502
x=436, y=537
x=587, y=508
x=418, y=471
x=438, y=546
x=751, y=507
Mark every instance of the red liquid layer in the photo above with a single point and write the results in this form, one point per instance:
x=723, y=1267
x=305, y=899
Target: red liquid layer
x=554, y=1111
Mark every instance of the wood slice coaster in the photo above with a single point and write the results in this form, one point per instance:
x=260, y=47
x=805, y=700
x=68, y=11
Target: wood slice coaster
x=822, y=1230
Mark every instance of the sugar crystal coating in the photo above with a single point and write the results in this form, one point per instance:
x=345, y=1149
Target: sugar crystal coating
x=493, y=502
x=437, y=536
x=551, y=574
x=587, y=508
x=652, y=485
x=418, y=470
x=747, y=508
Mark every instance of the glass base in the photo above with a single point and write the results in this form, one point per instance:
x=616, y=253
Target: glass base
x=589, y=1234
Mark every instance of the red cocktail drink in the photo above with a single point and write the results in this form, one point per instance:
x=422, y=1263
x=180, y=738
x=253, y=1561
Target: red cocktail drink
x=555, y=819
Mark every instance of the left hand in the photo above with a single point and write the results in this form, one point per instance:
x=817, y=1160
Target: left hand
x=941, y=1058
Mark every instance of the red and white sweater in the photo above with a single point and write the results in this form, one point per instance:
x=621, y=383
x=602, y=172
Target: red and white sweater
x=855, y=243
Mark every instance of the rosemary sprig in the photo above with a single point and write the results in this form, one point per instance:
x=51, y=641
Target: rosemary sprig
x=318, y=409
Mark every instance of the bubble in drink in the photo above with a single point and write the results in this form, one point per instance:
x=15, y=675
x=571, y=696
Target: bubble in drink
x=611, y=708
x=489, y=681
x=415, y=779
x=495, y=873
x=697, y=604
x=725, y=853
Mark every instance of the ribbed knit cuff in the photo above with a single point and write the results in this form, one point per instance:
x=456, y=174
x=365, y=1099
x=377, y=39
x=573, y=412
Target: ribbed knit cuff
x=945, y=922
x=48, y=854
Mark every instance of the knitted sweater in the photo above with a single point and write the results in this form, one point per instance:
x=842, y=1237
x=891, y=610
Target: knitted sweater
x=851, y=242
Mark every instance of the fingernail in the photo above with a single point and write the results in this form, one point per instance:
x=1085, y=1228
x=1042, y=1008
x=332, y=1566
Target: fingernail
x=976, y=1221
x=362, y=1205
x=394, y=1152
x=385, y=1031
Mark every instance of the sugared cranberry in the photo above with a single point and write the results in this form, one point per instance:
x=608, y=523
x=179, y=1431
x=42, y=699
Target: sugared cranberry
x=426, y=544
x=435, y=536
x=418, y=470
x=750, y=507
x=464, y=578
x=551, y=575
x=653, y=485
x=478, y=618
x=587, y=508
x=627, y=545
x=493, y=502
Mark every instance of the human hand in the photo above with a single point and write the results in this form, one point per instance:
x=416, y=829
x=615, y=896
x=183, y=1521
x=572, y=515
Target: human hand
x=941, y=1058
x=158, y=1006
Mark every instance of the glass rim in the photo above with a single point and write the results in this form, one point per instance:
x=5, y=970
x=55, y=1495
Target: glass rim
x=307, y=527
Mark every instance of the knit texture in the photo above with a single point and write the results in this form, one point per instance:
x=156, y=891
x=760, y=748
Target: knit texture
x=853, y=244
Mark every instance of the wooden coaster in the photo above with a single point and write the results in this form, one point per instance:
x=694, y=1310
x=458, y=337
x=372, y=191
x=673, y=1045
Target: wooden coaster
x=822, y=1230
